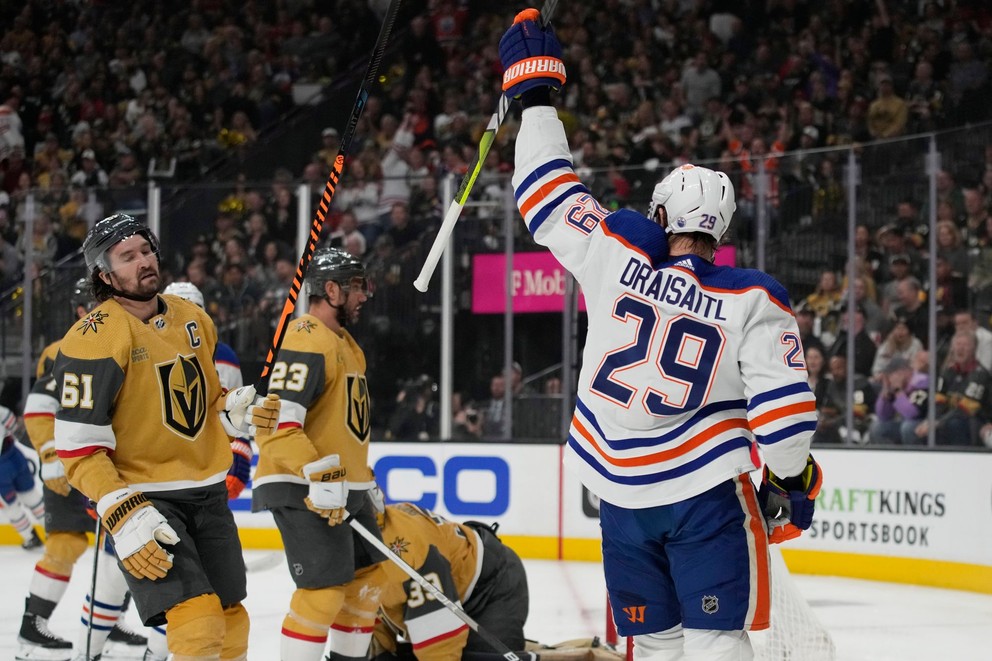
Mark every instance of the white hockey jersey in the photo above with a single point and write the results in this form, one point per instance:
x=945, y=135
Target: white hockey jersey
x=686, y=364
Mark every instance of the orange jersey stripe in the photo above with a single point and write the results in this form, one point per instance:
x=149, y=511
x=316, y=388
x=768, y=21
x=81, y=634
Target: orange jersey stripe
x=762, y=609
x=665, y=455
x=782, y=412
x=541, y=193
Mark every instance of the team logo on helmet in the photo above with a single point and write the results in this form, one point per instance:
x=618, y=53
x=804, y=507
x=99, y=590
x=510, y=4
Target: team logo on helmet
x=92, y=322
x=359, y=417
x=184, y=395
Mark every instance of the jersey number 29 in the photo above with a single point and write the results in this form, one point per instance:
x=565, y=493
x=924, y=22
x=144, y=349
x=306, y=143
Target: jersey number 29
x=687, y=354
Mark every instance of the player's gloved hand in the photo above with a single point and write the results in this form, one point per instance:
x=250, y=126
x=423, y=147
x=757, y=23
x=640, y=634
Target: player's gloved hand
x=328, y=490
x=788, y=503
x=531, y=56
x=245, y=415
x=138, y=530
x=8, y=421
x=52, y=471
x=238, y=474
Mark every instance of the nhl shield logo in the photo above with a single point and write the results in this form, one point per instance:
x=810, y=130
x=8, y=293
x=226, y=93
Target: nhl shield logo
x=359, y=416
x=184, y=395
x=710, y=604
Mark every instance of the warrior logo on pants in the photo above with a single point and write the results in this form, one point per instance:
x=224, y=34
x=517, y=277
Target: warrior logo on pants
x=184, y=395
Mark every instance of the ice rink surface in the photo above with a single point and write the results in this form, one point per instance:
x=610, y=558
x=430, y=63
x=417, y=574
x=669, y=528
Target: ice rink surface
x=869, y=621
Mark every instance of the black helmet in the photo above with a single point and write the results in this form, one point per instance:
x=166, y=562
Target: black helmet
x=82, y=295
x=109, y=232
x=334, y=265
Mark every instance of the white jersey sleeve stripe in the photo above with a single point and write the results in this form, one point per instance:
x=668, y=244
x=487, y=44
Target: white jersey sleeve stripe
x=76, y=439
x=292, y=413
x=38, y=404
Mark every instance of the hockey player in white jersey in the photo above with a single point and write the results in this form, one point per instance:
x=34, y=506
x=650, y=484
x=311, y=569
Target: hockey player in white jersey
x=687, y=368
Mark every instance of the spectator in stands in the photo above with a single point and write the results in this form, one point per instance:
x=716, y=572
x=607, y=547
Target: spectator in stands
x=876, y=323
x=700, y=82
x=415, y=416
x=951, y=290
x=492, y=410
x=90, y=173
x=330, y=145
x=963, y=396
x=888, y=114
x=238, y=293
x=925, y=100
x=832, y=424
x=898, y=343
x=466, y=422
x=948, y=191
x=950, y=246
x=128, y=172
x=403, y=231
x=912, y=307
x=899, y=270
x=870, y=255
x=806, y=320
x=826, y=295
x=864, y=346
x=359, y=194
x=893, y=241
x=965, y=321
x=816, y=367
x=901, y=403
x=977, y=220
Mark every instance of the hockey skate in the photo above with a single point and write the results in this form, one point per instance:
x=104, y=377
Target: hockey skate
x=33, y=543
x=123, y=643
x=37, y=643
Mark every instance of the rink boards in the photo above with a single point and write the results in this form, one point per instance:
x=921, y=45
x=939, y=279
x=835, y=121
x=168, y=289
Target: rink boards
x=904, y=516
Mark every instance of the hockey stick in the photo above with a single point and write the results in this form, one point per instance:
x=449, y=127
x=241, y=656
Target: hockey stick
x=493, y=641
x=329, y=189
x=468, y=181
x=96, y=564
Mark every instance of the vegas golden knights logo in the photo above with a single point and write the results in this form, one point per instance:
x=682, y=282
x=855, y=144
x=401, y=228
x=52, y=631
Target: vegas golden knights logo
x=359, y=415
x=184, y=395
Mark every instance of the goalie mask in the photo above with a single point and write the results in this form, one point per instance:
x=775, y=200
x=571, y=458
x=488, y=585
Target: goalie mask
x=186, y=290
x=336, y=265
x=696, y=199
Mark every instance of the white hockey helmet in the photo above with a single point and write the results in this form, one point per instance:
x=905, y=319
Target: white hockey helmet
x=186, y=290
x=696, y=199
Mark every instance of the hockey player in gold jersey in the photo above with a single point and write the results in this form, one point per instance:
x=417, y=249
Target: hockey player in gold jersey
x=314, y=469
x=469, y=564
x=67, y=523
x=144, y=429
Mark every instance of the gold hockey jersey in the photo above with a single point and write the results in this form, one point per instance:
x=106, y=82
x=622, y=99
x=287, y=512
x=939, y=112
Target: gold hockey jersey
x=143, y=394
x=47, y=359
x=42, y=401
x=447, y=554
x=326, y=409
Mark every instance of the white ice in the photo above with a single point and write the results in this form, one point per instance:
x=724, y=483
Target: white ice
x=869, y=621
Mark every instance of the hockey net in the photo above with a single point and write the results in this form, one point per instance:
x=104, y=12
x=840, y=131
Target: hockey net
x=796, y=634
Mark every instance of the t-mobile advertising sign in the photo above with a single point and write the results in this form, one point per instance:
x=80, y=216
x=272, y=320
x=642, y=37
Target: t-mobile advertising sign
x=538, y=281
